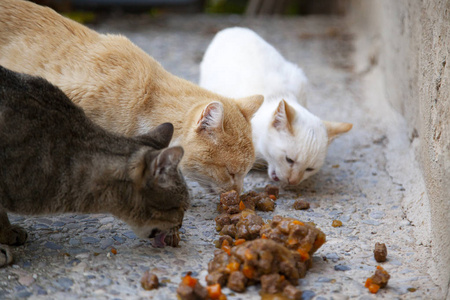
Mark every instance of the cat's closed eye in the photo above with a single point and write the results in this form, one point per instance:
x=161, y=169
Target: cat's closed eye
x=289, y=160
x=309, y=169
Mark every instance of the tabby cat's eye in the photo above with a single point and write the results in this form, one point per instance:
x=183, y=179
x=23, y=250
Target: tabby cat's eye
x=309, y=169
x=289, y=160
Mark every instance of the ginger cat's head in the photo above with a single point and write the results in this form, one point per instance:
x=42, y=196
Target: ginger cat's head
x=219, y=147
x=295, y=142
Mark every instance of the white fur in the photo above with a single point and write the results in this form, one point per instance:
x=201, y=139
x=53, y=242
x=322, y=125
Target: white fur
x=239, y=63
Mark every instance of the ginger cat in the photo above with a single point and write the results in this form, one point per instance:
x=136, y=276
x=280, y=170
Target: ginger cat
x=53, y=159
x=126, y=91
x=290, y=139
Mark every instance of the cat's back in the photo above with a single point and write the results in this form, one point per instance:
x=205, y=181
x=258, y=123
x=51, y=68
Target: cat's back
x=239, y=62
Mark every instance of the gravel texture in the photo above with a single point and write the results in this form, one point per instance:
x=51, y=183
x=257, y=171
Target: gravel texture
x=71, y=257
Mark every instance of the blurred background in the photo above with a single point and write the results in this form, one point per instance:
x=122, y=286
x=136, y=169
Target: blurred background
x=245, y=7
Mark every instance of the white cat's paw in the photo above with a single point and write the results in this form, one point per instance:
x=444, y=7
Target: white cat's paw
x=5, y=256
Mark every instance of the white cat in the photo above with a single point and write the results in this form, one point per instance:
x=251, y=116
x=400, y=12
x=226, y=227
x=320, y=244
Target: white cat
x=292, y=141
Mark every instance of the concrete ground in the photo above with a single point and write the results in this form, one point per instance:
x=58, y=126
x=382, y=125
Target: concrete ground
x=368, y=176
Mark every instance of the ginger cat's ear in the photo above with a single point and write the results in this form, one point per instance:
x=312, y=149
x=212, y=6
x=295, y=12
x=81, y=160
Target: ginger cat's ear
x=158, y=137
x=283, y=117
x=249, y=105
x=211, y=118
x=335, y=129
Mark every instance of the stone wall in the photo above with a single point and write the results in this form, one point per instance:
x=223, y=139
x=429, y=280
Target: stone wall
x=409, y=43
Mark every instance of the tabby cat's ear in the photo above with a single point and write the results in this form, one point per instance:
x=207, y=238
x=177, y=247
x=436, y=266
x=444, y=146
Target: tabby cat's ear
x=283, y=117
x=211, y=118
x=250, y=105
x=158, y=137
x=145, y=165
x=335, y=129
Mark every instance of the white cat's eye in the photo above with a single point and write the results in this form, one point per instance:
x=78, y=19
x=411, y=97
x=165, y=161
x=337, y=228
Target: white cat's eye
x=289, y=160
x=309, y=169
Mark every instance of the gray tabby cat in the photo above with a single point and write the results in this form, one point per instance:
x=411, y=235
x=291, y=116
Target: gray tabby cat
x=53, y=159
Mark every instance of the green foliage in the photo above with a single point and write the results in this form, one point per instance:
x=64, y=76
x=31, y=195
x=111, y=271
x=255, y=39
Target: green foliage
x=225, y=6
x=82, y=17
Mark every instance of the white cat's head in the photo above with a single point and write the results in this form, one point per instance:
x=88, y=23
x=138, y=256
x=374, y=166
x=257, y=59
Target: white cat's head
x=296, y=142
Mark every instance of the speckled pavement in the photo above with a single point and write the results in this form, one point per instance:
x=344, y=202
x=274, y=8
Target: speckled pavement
x=361, y=184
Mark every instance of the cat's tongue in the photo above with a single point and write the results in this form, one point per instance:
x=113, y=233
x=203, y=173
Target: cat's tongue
x=159, y=240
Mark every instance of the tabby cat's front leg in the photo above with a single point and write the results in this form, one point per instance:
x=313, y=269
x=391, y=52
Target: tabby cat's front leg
x=9, y=235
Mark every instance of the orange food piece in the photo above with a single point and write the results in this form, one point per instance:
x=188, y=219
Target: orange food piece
x=264, y=236
x=304, y=255
x=306, y=247
x=233, y=266
x=297, y=222
x=189, y=281
x=248, y=254
x=114, y=251
x=214, y=291
x=227, y=249
x=368, y=282
x=373, y=288
x=336, y=223
x=239, y=241
x=273, y=197
x=248, y=271
x=222, y=297
x=225, y=243
x=241, y=205
x=320, y=240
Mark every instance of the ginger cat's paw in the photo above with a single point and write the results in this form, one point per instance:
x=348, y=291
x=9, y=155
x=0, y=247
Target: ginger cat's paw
x=5, y=256
x=14, y=236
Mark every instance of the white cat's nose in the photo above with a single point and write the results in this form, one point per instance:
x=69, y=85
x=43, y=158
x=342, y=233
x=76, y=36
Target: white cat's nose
x=296, y=179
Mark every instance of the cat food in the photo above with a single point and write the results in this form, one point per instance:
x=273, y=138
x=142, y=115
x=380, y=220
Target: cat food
x=260, y=260
x=380, y=252
x=301, y=204
x=149, y=281
x=229, y=202
x=191, y=289
x=272, y=190
x=244, y=225
x=378, y=280
x=303, y=238
x=336, y=223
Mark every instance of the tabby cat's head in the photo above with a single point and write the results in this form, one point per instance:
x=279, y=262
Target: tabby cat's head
x=220, y=144
x=160, y=195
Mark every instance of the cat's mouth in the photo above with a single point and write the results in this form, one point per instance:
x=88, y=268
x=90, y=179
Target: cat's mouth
x=164, y=238
x=274, y=176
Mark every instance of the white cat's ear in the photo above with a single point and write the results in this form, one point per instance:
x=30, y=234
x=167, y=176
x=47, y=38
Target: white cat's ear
x=249, y=105
x=211, y=118
x=283, y=117
x=334, y=129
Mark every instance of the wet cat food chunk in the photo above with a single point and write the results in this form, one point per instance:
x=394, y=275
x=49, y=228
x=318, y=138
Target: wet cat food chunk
x=149, y=281
x=304, y=238
x=244, y=225
x=229, y=202
x=378, y=280
x=222, y=238
x=251, y=262
x=191, y=289
x=173, y=239
x=272, y=190
x=380, y=252
x=222, y=220
x=265, y=204
x=301, y=204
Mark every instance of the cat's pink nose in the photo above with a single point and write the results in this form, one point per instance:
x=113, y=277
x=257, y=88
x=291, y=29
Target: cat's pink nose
x=274, y=176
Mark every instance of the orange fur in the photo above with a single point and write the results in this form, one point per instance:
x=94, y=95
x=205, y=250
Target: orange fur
x=126, y=91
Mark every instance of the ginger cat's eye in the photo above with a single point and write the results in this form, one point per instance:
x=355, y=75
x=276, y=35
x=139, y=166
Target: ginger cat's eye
x=289, y=160
x=309, y=169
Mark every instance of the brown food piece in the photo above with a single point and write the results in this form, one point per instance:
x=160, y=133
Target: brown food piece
x=149, y=281
x=381, y=277
x=191, y=289
x=254, y=259
x=229, y=202
x=336, y=223
x=301, y=204
x=237, y=281
x=222, y=238
x=295, y=235
x=273, y=283
x=249, y=225
x=265, y=204
x=229, y=230
x=249, y=199
x=222, y=220
x=272, y=190
x=172, y=239
x=380, y=252
x=217, y=277
x=291, y=292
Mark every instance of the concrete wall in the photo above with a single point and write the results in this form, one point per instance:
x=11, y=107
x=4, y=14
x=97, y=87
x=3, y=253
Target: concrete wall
x=409, y=43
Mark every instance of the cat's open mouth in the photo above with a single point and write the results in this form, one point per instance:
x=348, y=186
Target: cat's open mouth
x=162, y=239
x=274, y=176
